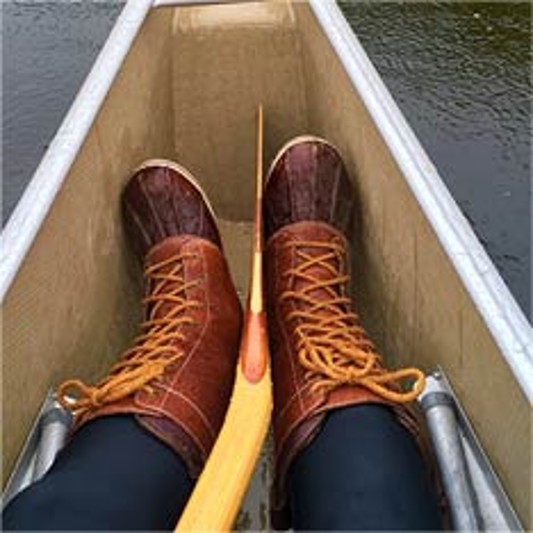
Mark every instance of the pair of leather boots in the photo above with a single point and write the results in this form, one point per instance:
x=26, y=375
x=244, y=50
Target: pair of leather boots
x=178, y=376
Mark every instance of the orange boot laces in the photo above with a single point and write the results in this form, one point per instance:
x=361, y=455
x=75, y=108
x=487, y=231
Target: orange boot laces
x=153, y=350
x=332, y=346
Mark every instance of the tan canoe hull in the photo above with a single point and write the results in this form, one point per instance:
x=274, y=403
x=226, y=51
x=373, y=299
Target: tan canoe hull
x=188, y=90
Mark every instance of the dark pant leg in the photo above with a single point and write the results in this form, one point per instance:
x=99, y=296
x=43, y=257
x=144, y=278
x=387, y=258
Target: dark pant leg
x=112, y=475
x=362, y=472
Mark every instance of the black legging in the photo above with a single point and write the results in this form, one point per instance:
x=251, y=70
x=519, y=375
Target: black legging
x=363, y=471
x=112, y=475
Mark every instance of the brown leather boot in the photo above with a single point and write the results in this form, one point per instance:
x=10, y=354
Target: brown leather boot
x=321, y=356
x=177, y=377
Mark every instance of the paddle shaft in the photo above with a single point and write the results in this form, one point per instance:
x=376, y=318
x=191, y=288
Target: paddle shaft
x=217, y=497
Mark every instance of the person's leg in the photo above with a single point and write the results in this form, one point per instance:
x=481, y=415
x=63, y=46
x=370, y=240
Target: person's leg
x=341, y=461
x=362, y=472
x=152, y=421
x=112, y=475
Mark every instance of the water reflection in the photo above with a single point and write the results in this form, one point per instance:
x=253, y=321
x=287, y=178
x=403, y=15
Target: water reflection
x=48, y=49
x=460, y=73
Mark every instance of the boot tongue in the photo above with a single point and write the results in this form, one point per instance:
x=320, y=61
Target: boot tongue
x=167, y=248
x=182, y=248
x=317, y=234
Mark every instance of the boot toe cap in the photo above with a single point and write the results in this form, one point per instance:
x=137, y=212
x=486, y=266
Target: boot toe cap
x=308, y=182
x=163, y=200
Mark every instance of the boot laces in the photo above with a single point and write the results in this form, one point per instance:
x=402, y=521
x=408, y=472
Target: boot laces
x=153, y=351
x=332, y=346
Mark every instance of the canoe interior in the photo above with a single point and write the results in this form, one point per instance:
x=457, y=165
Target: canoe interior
x=188, y=91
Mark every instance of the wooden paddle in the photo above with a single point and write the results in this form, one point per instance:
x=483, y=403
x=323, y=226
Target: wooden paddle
x=217, y=497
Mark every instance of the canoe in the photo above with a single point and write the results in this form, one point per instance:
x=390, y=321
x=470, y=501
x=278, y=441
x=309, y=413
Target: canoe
x=183, y=81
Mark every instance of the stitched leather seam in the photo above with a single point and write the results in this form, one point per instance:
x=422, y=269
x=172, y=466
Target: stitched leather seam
x=193, y=405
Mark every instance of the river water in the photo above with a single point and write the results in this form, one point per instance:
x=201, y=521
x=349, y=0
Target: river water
x=460, y=72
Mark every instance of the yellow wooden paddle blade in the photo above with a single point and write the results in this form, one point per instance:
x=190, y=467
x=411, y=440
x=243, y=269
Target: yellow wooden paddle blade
x=220, y=490
x=217, y=497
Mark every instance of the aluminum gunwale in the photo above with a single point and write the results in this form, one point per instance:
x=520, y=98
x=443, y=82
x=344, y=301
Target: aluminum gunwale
x=497, y=306
x=32, y=209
